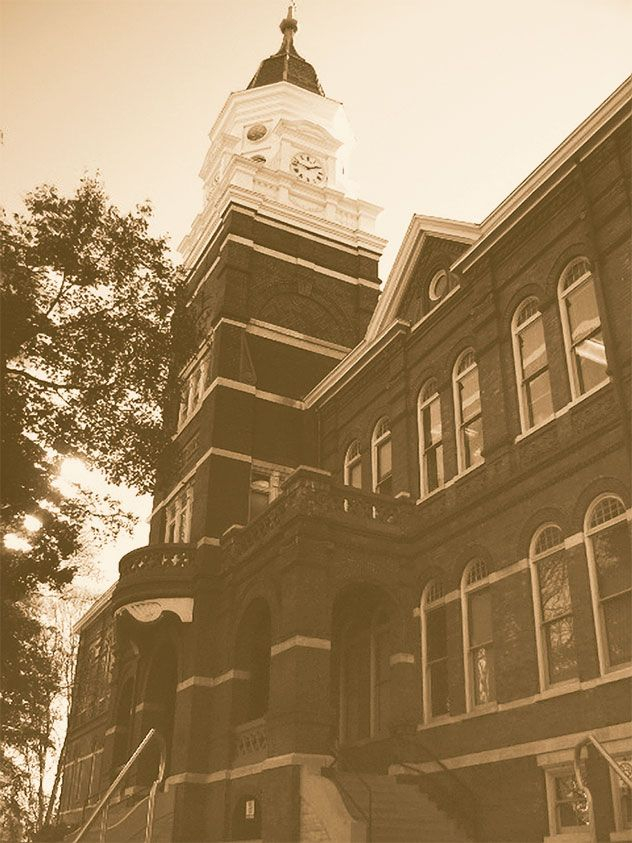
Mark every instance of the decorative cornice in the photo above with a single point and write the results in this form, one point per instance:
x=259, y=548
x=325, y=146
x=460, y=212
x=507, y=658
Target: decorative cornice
x=97, y=607
x=148, y=611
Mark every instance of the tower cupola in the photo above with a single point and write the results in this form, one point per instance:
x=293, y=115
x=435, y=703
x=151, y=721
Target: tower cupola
x=286, y=65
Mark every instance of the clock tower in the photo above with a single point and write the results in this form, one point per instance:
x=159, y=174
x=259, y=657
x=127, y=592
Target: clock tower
x=282, y=278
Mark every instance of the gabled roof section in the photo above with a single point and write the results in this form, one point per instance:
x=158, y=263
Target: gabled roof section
x=480, y=237
x=421, y=232
x=286, y=65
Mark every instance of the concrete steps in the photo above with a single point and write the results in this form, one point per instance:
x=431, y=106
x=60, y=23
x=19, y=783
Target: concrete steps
x=400, y=813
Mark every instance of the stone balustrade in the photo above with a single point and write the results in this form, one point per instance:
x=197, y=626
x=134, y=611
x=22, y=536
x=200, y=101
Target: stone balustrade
x=155, y=558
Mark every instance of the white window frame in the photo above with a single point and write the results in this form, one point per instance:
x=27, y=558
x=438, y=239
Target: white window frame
x=544, y=675
x=426, y=398
x=178, y=513
x=275, y=476
x=353, y=457
x=458, y=410
x=589, y=532
x=467, y=588
x=562, y=294
x=521, y=382
x=621, y=831
x=193, y=389
x=560, y=834
x=432, y=287
x=426, y=606
x=382, y=434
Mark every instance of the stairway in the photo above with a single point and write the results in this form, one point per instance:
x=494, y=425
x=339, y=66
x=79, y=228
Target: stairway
x=400, y=812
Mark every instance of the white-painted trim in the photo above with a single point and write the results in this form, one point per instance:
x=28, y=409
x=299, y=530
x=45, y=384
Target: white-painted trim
x=560, y=690
x=208, y=540
x=296, y=339
x=212, y=681
x=291, y=759
x=300, y=641
x=402, y=658
x=284, y=256
x=451, y=481
x=357, y=360
x=516, y=330
x=522, y=750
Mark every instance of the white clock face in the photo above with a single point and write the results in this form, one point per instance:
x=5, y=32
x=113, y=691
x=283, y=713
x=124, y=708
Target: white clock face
x=308, y=168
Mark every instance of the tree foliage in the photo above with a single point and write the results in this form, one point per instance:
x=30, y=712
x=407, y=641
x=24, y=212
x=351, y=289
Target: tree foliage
x=87, y=299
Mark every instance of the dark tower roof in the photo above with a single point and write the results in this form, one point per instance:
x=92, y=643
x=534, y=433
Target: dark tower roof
x=286, y=65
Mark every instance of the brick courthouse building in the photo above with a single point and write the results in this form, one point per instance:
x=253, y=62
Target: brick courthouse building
x=387, y=585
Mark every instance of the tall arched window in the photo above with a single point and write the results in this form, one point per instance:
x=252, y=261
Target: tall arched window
x=434, y=651
x=430, y=438
x=610, y=570
x=381, y=458
x=478, y=653
x=532, y=365
x=557, y=658
x=583, y=338
x=467, y=409
x=353, y=466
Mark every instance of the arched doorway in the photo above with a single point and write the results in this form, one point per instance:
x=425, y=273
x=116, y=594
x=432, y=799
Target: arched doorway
x=361, y=663
x=159, y=705
x=252, y=658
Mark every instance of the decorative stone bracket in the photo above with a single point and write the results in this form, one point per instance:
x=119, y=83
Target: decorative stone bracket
x=148, y=611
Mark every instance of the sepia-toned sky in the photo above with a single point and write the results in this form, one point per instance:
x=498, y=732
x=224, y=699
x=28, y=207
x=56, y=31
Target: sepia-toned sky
x=453, y=102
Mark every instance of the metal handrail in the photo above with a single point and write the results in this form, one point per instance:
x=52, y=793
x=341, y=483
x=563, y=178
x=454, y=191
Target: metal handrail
x=471, y=798
x=626, y=778
x=368, y=817
x=151, y=735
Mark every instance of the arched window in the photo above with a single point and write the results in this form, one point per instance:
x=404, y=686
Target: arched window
x=467, y=409
x=557, y=658
x=381, y=455
x=434, y=651
x=583, y=338
x=609, y=566
x=353, y=466
x=532, y=365
x=430, y=438
x=439, y=287
x=478, y=652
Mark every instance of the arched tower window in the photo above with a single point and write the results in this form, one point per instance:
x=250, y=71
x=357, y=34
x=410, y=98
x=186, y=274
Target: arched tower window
x=434, y=651
x=555, y=633
x=478, y=645
x=467, y=410
x=352, y=473
x=581, y=326
x=609, y=566
x=381, y=458
x=430, y=438
x=532, y=366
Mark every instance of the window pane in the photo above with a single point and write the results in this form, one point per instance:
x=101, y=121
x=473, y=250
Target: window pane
x=472, y=442
x=555, y=597
x=560, y=644
x=583, y=315
x=532, y=348
x=566, y=793
x=259, y=499
x=617, y=619
x=539, y=398
x=590, y=355
x=434, y=468
x=385, y=487
x=384, y=459
x=354, y=476
x=483, y=675
x=612, y=559
x=436, y=634
x=431, y=423
x=469, y=395
x=480, y=616
x=439, y=687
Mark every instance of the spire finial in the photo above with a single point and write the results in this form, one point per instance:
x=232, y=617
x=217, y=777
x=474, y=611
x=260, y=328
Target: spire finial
x=288, y=27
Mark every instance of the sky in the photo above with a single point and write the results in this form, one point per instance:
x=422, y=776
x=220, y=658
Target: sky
x=453, y=102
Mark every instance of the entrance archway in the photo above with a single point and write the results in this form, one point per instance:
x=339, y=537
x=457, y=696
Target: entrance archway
x=123, y=726
x=159, y=705
x=361, y=663
x=252, y=657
